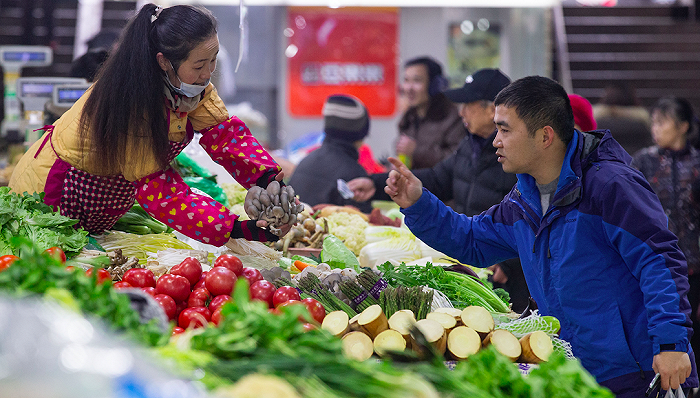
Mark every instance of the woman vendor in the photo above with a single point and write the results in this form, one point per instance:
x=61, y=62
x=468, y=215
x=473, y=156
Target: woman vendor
x=115, y=144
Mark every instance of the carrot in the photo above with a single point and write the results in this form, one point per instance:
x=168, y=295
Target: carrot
x=300, y=265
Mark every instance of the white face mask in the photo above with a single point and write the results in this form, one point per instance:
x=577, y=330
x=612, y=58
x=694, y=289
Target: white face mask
x=188, y=90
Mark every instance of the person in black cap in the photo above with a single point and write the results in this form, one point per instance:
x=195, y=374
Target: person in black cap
x=315, y=179
x=430, y=129
x=471, y=178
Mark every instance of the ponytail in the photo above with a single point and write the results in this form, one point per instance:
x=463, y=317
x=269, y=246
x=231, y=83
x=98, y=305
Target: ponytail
x=126, y=106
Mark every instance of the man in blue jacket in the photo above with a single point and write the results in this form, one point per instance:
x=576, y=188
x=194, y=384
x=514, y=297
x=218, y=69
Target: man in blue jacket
x=591, y=236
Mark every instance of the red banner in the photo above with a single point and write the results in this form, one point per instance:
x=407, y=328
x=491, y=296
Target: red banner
x=341, y=51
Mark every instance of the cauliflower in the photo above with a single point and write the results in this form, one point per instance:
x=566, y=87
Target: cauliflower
x=350, y=228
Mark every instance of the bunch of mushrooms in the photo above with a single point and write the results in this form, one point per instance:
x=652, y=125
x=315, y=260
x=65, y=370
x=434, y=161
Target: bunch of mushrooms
x=276, y=205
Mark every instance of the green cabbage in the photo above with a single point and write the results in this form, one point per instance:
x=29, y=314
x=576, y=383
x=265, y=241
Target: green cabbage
x=336, y=255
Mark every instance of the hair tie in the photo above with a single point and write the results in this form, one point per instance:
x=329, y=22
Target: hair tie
x=156, y=13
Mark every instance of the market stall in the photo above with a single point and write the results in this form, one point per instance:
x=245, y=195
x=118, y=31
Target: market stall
x=338, y=307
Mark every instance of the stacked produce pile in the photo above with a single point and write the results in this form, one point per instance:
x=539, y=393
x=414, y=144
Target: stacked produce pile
x=449, y=332
x=311, y=323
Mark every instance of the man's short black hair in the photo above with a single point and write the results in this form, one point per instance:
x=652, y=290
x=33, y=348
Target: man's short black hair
x=539, y=102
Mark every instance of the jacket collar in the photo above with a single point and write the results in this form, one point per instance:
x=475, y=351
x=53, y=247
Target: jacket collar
x=583, y=150
x=342, y=145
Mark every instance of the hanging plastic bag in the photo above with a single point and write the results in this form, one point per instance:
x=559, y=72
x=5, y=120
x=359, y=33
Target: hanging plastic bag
x=677, y=394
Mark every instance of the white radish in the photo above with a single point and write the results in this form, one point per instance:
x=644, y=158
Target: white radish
x=389, y=340
x=336, y=323
x=505, y=343
x=373, y=320
x=446, y=320
x=462, y=342
x=479, y=319
x=357, y=346
x=537, y=347
x=434, y=333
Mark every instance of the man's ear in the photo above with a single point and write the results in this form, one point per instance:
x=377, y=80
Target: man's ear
x=163, y=62
x=491, y=109
x=548, y=136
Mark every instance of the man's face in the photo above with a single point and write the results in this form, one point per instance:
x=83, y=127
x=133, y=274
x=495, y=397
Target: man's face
x=517, y=151
x=478, y=117
x=415, y=85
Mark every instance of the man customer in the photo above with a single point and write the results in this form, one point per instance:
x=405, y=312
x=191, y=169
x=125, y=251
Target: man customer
x=471, y=179
x=315, y=179
x=590, y=233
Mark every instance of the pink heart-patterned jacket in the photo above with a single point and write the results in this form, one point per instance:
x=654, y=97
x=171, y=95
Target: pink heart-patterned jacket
x=57, y=165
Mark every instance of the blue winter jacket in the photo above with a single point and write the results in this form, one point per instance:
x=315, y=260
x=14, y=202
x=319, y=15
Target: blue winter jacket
x=601, y=259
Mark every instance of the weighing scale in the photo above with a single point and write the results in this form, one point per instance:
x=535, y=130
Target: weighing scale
x=65, y=95
x=12, y=60
x=34, y=93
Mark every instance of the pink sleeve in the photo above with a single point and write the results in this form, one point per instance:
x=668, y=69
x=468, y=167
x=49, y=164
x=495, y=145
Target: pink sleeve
x=166, y=197
x=231, y=145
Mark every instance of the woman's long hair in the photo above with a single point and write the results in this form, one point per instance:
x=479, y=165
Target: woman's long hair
x=127, y=105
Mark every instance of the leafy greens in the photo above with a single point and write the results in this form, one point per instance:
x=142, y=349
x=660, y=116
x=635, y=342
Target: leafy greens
x=29, y=217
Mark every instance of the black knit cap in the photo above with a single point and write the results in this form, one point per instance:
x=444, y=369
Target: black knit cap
x=345, y=117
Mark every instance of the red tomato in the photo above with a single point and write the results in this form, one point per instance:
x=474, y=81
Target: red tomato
x=70, y=268
x=199, y=298
x=179, y=307
x=177, y=330
x=6, y=260
x=140, y=277
x=288, y=303
x=194, y=316
x=201, y=281
x=220, y=280
x=302, y=318
x=190, y=268
x=263, y=291
x=284, y=294
x=168, y=305
x=218, y=301
x=252, y=275
x=175, y=286
x=150, y=290
x=231, y=262
x=216, y=316
x=56, y=253
x=122, y=285
x=315, y=309
x=102, y=275
x=274, y=311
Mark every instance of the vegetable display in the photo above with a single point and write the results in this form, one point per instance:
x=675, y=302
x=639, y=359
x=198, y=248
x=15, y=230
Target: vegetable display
x=318, y=334
x=29, y=217
x=462, y=290
x=252, y=340
x=38, y=273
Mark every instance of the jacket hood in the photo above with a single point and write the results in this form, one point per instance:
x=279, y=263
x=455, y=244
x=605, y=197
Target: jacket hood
x=600, y=145
x=583, y=150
